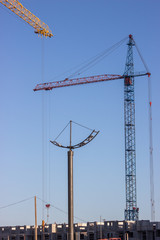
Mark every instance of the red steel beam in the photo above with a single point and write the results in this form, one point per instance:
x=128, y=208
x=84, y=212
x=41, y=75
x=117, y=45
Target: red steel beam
x=84, y=80
x=76, y=81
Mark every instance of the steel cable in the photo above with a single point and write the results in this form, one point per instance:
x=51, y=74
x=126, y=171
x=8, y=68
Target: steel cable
x=99, y=57
x=92, y=61
x=59, y=209
x=12, y=204
x=83, y=126
x=62, y=131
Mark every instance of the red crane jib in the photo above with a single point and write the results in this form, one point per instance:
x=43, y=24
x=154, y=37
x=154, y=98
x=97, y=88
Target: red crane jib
x=84, y=80
x=77, y=81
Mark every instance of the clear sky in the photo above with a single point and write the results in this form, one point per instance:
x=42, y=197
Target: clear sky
x=81, y=30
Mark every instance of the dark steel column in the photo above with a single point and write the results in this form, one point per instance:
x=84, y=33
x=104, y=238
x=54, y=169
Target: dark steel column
x=70, y=196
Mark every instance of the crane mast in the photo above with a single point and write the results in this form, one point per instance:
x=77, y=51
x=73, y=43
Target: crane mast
x=39, y=26
x=131, y=211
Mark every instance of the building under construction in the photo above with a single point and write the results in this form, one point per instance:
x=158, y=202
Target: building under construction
x=124, y=230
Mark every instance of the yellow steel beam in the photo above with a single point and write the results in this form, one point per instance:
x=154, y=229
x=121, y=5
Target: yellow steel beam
x=39, y=26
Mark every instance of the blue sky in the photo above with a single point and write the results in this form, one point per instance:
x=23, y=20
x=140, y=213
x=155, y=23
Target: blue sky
x=81, y=29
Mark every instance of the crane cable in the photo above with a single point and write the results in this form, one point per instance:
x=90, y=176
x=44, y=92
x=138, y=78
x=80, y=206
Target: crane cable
x=43, y=126
x=151, y=153
x=46, y=135
x=89, y=63
x=49, y=134
x=142, y=59
x=150, y=137
x=98, y=58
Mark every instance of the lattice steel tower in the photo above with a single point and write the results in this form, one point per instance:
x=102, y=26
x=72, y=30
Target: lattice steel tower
x=131, y=211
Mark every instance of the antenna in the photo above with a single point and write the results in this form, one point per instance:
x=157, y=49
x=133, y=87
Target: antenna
x=70, y=175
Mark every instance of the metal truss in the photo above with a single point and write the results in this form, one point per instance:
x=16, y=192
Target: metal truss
x=131, y=211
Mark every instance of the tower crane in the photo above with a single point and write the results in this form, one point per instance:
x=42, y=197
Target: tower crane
x=131, y=212
x=39, y=26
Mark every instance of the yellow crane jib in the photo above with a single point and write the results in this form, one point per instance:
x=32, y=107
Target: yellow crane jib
x=39, y=26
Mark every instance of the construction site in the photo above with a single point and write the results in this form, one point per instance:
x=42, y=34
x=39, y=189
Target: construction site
x=108, y=139
x=112, y=230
